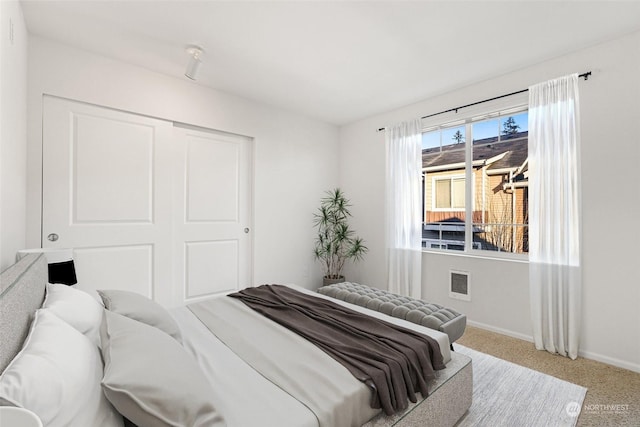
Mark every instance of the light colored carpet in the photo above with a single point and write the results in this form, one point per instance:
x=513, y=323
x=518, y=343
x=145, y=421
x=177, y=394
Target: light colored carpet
x=506, y=394
x=613, y=399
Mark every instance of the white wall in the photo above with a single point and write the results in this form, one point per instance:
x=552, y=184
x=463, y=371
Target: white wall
x=610, y=107
x=294, y=156
x=13, y=130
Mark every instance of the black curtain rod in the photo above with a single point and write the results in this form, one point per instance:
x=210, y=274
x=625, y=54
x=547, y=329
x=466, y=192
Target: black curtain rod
x=583, y=75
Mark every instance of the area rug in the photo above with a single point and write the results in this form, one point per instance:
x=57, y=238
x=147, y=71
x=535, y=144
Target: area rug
x=506, y=394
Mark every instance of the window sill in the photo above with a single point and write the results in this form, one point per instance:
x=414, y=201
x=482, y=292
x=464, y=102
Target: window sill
x=497, y=256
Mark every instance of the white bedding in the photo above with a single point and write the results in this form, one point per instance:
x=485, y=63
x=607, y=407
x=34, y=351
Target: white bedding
x=242, y=395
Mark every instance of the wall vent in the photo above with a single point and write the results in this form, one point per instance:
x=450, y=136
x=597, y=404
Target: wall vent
x=459, y=285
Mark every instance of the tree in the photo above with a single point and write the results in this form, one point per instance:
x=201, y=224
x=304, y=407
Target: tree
x=458, y=137
x=510, y=127
x=505, y=230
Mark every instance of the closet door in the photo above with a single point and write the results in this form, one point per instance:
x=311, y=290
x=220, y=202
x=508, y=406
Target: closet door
x=212, y=217
x=107, y=193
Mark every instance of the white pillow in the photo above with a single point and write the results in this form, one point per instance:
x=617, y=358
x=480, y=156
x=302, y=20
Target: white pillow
x=57, y=376
x=140, y=308
x=151, y=379
x=77, y=308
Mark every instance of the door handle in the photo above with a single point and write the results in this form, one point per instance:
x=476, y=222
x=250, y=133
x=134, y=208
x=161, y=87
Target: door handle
x=52, y=237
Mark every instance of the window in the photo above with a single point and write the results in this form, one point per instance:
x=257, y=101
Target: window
x=448, y=193
x=476, y=178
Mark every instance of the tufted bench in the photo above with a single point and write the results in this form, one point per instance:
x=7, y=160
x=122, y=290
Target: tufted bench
x=432, y=316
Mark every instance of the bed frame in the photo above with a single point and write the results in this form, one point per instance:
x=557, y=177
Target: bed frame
x=22, y=290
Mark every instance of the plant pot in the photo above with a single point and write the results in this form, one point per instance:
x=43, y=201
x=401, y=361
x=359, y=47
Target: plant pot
x=326, y=281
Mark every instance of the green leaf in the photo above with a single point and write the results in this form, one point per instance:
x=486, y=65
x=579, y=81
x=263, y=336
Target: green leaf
x=336, y=241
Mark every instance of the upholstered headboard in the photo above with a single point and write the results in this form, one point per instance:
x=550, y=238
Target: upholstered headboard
x=22, y=289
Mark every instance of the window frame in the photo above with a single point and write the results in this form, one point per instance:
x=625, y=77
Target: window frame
x=449, y=178
x=494, y=109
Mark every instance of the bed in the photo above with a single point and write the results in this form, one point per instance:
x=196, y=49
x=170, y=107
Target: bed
x=72, y=362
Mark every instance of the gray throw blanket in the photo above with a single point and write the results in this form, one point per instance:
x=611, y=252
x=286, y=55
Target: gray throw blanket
x=392, y=361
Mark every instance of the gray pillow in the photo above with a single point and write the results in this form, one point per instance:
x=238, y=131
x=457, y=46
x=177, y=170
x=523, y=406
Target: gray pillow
x=142, y=309
x=151, y=379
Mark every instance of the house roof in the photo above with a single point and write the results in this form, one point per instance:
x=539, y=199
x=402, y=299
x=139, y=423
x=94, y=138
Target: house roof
x=506, y=154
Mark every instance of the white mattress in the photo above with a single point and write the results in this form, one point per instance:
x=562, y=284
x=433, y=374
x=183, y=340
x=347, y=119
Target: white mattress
x=242, y=395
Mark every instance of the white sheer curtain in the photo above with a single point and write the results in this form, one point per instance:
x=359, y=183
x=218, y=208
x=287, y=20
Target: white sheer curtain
x=403, y=206
x=554, y=215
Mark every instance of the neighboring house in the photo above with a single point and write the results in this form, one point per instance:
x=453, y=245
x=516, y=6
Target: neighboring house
x=500, y=195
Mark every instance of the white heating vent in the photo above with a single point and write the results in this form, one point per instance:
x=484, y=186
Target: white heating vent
x=459, y=285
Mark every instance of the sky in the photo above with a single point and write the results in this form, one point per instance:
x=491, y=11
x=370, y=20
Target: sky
x=481, y=130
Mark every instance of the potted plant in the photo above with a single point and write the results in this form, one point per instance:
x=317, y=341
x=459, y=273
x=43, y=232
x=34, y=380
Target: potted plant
x=336, y=242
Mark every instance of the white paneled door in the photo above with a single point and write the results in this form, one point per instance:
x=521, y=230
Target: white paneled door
x=212, y=217
x=146, y=206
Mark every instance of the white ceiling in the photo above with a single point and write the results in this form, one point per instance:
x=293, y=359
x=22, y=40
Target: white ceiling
x=335, y=61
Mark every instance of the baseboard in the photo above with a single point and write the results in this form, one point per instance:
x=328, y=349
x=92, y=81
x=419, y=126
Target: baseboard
x=586, y=354
x=610, y=361
x=506, y=332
